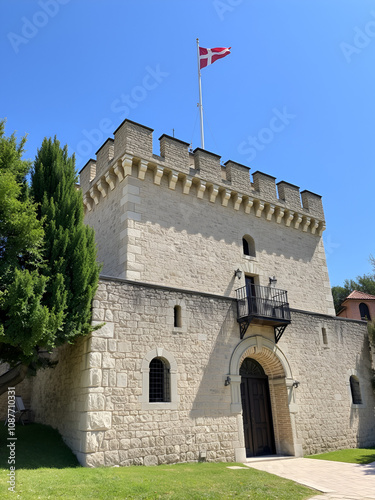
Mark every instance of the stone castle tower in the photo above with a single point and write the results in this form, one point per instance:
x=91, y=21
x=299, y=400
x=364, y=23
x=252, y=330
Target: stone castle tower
x=202, y=355
x=179, y=219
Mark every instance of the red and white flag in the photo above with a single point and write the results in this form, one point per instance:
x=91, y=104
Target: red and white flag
x=209, y=56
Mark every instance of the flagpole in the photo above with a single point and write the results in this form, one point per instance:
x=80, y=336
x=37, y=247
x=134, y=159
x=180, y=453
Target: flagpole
x=200, y=98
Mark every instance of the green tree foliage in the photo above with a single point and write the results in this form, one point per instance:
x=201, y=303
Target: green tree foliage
x=72, y=272
x=48, y=269
x=365, y=283
x=25, y=321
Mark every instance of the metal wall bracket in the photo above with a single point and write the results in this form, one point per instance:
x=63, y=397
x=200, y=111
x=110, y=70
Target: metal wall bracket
x=244, y=325
x=279, y=330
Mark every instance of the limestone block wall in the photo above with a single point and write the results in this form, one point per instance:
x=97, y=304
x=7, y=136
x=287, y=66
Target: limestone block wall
x=60, y=397
x=149, y=210
x=323, y=353
x=202, y=418
x=184, y=241
x=122, y=427
x=97, y=396
x=108, y=223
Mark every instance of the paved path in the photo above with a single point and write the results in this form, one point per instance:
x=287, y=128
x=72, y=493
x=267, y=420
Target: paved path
x=337, y=480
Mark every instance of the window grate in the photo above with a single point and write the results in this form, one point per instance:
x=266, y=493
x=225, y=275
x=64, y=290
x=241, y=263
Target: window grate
x=159, y=381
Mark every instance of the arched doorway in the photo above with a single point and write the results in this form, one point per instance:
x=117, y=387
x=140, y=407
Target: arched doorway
x=256, y=406
x=282, y=393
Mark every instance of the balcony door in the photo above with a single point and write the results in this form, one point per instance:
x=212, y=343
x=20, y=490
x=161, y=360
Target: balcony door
x=256, y=407
x=251, y=294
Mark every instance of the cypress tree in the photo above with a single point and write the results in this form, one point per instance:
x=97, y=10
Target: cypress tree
x=25, y=322
x=72, y=271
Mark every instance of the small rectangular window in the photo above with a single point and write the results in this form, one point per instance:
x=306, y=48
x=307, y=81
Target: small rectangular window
x=324, y=336
x=177, y=317
x=355, y=390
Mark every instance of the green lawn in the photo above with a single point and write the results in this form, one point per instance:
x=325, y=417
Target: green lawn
x=351, y=456
x=46, y=468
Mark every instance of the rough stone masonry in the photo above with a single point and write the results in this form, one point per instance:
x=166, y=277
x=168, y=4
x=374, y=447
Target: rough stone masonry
x=170, y=230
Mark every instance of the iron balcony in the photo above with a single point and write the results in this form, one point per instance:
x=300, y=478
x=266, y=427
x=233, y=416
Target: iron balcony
x=263, y=305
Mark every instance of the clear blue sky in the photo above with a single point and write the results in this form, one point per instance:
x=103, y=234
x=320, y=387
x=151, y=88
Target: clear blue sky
x=77, y=68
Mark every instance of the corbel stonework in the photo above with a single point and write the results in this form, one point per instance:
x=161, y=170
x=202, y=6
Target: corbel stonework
x=237, y=201
x=173, y=178
x=289, y=217
x=248, y=204
x=127, y=162
x=279, y=214
x=298, y=220
x=123, y=167
x=103, y=187
x=201, y=188
x=142, y=170
x=87, y=201
x=158, y=174
x=94, y=194
x=186, y=185
x=314, y=226
x=306, y=221
x=259, y=208
x=118, y=170
x=214, y=191
x=110, y=180
x=321, y=228
x=270, y=209
x=225, y=197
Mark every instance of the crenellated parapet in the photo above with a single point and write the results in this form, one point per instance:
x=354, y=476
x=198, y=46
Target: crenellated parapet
x=201, y=173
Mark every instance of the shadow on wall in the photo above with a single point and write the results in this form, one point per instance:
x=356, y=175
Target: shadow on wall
x=363, y=415
x=213, y=399
x=217, y=224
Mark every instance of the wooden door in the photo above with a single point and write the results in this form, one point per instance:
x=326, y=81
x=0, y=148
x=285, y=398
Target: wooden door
x=257, y=417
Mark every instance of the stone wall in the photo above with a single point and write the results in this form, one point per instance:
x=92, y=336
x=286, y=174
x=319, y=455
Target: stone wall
x=181, y=240
x=326, y=419
x=152, y=214
x=59, y=396
x=98, y=398
x=123, y=427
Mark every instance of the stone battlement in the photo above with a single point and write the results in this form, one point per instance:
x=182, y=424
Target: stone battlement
x=131, y=153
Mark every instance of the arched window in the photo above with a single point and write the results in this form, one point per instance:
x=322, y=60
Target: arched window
x=159, y=384
x=355, y=390
x=364, y=311
x=248, y=246
x=177, y=317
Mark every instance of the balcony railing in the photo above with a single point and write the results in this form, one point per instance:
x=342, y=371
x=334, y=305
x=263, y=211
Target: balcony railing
x=264, y=305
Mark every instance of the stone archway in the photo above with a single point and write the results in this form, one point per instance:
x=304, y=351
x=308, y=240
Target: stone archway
x=277, y=368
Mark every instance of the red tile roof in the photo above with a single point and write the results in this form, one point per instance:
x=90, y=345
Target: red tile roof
x=360, y=296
